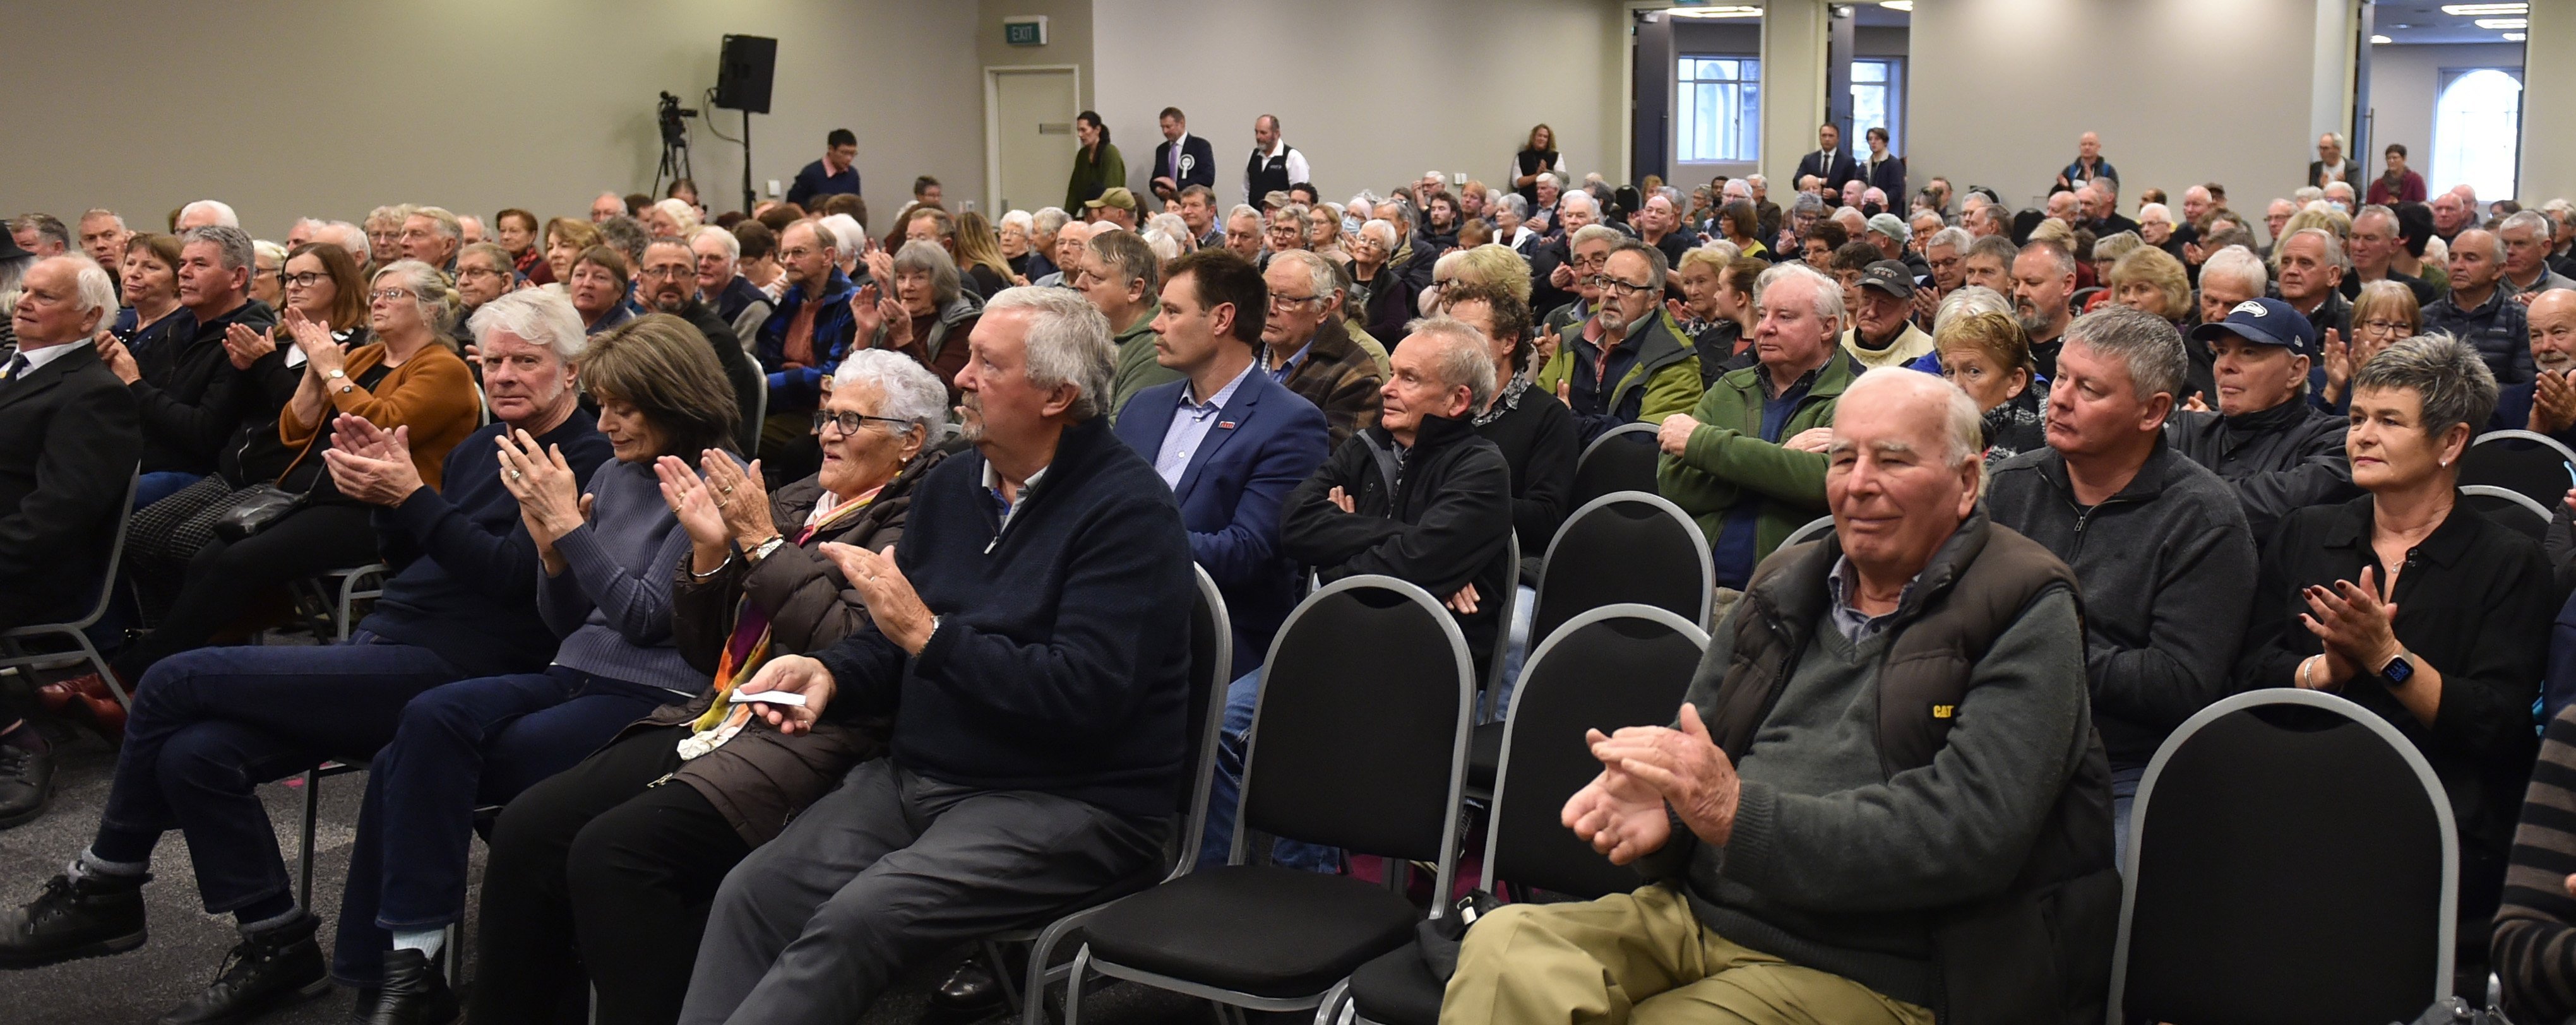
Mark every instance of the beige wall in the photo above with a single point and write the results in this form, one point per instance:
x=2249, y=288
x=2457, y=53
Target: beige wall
x=294, y=107
x=2403, y=86
x=2548, y=84
x=2182, y=91
x=1374, y=93
x=1069, y=41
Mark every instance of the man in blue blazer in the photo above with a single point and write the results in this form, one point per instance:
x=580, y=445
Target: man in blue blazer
x=1232, y=443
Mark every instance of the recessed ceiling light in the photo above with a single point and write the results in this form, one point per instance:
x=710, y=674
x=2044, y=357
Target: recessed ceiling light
x=2477, y=9
x=2513, y=37
x=1897, y=5
x=2504, y=23
x=2380, y=40
x=1715, y=12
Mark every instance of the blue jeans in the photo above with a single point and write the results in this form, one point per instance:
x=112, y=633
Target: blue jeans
x=2124, y=793
x=1517, y=653
x=1225, y=791
x=460, y=747
x=212, y=724
x=159, y=484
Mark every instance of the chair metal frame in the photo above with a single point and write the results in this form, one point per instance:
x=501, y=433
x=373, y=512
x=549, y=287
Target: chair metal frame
x=1029, y=996
x=2535, y=437
x=2405, y=749
x=2509, y=495
x=1339, y=995
x=1606, y=436
x=1231, y=1003
x=1809, y=531
x=13, y=654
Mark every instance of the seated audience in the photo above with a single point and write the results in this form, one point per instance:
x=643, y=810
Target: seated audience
x=2278, y=450
x=807, y=334
x=2382, y=314
x=2151, y=280
x=2159, y=543
x=1538, y=437
x=929, y=314
x=2307, y=270
x=718, y=256
x=2413, y=604
x=148, y=280
x=1386, y=296
x=1988, y=357
x=602, y=282
x=1573, y=283
x=650, y=856
x=518, y=232
x=2373, y=245
x=1122, y=277
x=1989, y=263
x=668, y=283
x=1716, y=311
x=1306, y=347
x=1442, y=524
x=1075, y=632
x=1852, y=842
x=1625, y=364
x=2527, y=237
x=483, y=274
x=212, y=723
x=405, y=377
x=2480, y=309
x=607, y=554
x=566, y=239
x=1883, y=332
x=69, y=439
x=189, y=392
x=2043, y=280
x=2547, y=403
x=1748, y=464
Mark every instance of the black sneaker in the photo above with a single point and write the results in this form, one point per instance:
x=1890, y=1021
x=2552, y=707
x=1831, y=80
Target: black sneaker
x=74, y=918
x=269, y=969
x=26, y=783
x=413, y=992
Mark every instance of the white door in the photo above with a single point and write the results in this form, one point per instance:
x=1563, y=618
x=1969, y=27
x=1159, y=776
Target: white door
x=1030, y=125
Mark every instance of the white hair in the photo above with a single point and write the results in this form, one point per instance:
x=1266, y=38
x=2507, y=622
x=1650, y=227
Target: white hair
x=1068, y=343
x=2239, y=262
x=92, y=289
x=1022, y=218
x=2155, y=210
x=732, y=242
x=683, y=216
x=1585, y=197
x=1829, y=293
x=541, y=317
x=353, y=239
x=223, y=214
x=1165, y=247
x=911, y=393
x=1384, y=227
x=1968, y=300
x=1049, y=220
x=1461, y=356
x=844, y=233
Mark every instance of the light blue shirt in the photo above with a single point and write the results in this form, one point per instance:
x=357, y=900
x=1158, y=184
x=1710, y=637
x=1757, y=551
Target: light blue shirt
x=1289, y=366
x=1190, y=429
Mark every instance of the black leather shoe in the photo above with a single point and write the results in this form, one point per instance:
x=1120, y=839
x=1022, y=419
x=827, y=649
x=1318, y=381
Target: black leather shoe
x=413, y=992
x=73, y=919
x=269, y=969
x=970, y=989
x=26, y=783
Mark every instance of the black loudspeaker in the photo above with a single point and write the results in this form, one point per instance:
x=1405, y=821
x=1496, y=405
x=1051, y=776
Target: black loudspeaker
x=743, y=74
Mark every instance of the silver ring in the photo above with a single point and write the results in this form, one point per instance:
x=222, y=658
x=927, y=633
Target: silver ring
x=515, y=475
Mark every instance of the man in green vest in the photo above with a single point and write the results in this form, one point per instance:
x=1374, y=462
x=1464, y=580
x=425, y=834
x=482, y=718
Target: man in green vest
x=1928, y=813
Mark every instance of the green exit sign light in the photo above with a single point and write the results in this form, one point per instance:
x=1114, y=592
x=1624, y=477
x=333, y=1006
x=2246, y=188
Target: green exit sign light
x=1028, y=31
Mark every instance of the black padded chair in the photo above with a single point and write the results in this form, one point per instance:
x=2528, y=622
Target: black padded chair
x=13, y=642
x=1621, y=459
x=1808, y=531
x=1211, y=670
x=1359, y=742
x=1619, y=665
x=2510, y=508
x=1619, y=548
x=2532, y=465
x=2292, y=859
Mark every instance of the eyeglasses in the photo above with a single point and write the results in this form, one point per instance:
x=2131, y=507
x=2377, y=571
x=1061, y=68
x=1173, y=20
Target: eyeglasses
x=2386, y=327
x=485, y=272
x=798, y=253
x=668, y=271
x=386, y=295
x=307, y=279
x=1290, y=302
x=849, y=423
x=1613, y=286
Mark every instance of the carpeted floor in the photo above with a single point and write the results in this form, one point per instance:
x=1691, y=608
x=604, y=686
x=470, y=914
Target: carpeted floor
x=188, y=945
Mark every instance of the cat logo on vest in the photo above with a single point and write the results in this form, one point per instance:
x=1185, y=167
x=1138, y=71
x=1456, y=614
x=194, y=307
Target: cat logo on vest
x=1945, y=711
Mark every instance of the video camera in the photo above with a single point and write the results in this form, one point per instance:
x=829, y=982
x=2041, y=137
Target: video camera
x=673, y=132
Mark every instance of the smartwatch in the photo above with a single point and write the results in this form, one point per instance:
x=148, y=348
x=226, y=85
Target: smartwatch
x=2398, y=670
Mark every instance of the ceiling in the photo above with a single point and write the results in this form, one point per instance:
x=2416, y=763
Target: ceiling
x=2422, y=21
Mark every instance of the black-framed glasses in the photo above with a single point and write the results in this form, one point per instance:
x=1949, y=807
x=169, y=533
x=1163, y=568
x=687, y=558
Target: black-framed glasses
x=849, y=423
x=307, y=279
x=1613, y=286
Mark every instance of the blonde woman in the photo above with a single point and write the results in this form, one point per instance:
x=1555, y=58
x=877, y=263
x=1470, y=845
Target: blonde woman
x=2383, y=313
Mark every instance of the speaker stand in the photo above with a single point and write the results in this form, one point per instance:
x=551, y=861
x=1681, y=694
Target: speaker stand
x=747, y=195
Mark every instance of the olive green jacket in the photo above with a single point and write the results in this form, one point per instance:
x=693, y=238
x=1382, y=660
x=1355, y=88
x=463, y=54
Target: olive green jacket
x=1726, y=461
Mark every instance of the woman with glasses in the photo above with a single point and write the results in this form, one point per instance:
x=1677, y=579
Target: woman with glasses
x=1389, y=300
x=268, y=273
x=929, y=315
x=406, y=381
x=658, y=817
x=2384, y=312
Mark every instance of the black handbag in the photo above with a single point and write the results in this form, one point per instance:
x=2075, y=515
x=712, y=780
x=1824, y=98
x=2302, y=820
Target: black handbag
x=254, y=509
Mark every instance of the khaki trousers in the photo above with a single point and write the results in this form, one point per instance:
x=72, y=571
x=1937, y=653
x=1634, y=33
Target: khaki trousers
x=1641, y=957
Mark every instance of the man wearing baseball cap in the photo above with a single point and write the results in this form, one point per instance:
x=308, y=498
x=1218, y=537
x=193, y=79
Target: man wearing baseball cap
x=2265, y=439
x=1116, y=206
x=1883, y=332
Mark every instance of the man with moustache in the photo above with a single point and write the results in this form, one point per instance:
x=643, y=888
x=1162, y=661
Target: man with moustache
x=2546, y=404
x=668, y=282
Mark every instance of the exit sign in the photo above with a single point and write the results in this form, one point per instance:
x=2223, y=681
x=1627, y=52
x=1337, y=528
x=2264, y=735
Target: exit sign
x=1025, y=31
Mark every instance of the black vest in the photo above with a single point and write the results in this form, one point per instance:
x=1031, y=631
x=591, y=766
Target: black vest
x=1268, y=174
x=2041, y=950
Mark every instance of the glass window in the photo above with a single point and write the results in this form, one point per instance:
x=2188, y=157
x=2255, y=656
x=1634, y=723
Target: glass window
x=1719, y=110
x=1878, y=101
x=2477, y=131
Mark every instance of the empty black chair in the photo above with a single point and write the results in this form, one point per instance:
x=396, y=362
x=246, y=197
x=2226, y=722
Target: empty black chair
x=1211, y=669
x=1359, y=742
x=2532, y=465
x=1625, y=547
x=1621, y=665
x=1621, y=459
x=2292, y=859
x=2509, y=507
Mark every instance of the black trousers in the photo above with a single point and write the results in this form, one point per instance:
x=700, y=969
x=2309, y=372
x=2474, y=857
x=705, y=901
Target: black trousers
x=650, y=860
x=225, y=576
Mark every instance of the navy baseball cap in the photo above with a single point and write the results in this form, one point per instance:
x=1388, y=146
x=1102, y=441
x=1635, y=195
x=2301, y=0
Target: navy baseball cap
x=2264, y=322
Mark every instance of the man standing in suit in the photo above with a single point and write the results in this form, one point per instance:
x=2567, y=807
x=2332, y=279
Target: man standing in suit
x=2331, y=165
x=69, y=439
x=1828, y=162
x=1232, y=443
x=1182, y=160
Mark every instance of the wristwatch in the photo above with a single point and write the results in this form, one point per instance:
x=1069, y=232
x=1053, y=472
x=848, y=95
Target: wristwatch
x=341, y=376
x=766, y=547
x=2398, y=670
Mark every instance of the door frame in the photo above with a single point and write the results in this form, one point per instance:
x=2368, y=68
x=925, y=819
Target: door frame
x=993, y=125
